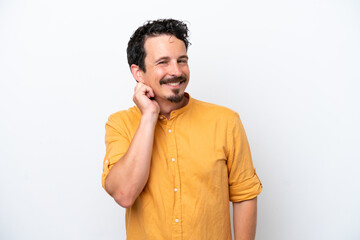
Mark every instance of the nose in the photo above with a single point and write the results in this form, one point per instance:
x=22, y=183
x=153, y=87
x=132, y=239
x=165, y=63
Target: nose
x=175, y=69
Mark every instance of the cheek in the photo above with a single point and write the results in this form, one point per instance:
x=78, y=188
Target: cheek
x=160, y=74
x=153, y=78
x=186, y=70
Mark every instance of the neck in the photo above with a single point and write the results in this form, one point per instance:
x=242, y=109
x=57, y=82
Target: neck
x=166, y=107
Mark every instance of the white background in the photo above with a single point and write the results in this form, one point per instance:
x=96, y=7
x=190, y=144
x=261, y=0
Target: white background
x=290, y=68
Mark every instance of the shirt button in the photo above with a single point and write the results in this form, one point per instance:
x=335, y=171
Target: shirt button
x=169, y=130
x=161, y=117
x=175, y=189
x=176, y=220
x=107, y=161
x=173, y=159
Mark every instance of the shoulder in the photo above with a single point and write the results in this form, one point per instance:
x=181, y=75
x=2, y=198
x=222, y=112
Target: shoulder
x=128, y=113
x=125, y=117
x=211, y=109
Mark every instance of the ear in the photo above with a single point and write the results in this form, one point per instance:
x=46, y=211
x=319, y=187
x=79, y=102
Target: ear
x=137, y=73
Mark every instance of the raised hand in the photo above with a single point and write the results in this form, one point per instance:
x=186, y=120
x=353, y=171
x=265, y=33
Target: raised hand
x=143, y=95
x=128, y=176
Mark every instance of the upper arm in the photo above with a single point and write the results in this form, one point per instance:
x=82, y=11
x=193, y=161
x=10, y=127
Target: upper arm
x=117, y=143
x=244, y=183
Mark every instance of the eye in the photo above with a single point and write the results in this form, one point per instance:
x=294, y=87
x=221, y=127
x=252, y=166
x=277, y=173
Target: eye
x=182, y=61
x=162, y=62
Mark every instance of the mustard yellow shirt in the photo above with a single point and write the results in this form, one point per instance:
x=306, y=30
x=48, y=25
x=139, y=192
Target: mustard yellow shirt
x=201, y=160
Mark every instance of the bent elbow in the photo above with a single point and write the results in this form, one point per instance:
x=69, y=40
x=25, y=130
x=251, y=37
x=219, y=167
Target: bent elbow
x=123, y=196
x=123, y=200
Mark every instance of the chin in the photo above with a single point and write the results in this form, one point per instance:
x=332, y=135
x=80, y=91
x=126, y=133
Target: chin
x=176, y=98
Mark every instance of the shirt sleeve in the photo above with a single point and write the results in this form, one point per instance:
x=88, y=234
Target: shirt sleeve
x=244, y=183
x=117, y=143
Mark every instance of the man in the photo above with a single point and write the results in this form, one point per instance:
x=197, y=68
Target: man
x=172, y=161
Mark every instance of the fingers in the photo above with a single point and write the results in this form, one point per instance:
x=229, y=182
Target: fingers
x=137, y=86
x=144, y=90
x=150, y=93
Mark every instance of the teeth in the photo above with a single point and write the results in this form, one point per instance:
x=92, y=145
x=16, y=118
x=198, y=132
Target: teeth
x=174, y=84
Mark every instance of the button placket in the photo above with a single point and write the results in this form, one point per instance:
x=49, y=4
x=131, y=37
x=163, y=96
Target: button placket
x=172, y=156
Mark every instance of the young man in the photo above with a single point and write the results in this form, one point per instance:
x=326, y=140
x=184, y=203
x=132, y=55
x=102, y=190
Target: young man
x=172, y=161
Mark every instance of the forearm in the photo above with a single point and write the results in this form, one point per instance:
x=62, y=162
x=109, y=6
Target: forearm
x=129, y=175
x=244, y=214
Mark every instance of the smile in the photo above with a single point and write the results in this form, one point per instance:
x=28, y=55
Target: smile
x=174, y=84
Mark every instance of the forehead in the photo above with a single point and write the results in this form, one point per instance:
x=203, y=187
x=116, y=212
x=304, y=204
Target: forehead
x=167, y=45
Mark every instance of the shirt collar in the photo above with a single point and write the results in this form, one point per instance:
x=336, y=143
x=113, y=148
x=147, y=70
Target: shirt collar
x=179, y=111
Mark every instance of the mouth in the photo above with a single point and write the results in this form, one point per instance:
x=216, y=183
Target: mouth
x=174, y=82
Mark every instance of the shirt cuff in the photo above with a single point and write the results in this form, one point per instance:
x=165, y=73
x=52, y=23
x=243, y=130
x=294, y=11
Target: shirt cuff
x=246, y=190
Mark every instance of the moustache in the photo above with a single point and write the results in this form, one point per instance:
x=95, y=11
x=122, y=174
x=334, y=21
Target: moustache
x=173, y=80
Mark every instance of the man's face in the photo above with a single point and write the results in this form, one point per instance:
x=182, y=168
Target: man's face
x=167, y=70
